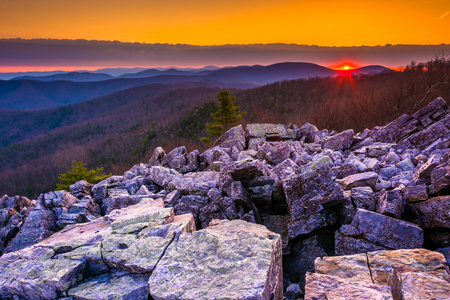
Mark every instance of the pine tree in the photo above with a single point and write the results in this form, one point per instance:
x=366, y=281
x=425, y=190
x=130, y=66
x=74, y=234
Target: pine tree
x=80, y=172
x=226, y=116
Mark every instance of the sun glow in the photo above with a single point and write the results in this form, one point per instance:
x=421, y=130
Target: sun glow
x=346, y=67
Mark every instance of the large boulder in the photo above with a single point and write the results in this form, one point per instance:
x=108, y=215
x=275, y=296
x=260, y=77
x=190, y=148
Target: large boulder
x=129, y=240
x=234, y=137
x=270, y=132
x=367, y=276
x=39, y=225
x=229, y=260
x=81, y=188
x=108, y=286
x=371, y=231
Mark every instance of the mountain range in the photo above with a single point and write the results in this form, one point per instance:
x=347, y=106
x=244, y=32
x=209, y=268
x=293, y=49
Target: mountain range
x=37, y=92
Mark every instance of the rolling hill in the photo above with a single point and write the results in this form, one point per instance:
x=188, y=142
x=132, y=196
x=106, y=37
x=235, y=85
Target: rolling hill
x=70, y=76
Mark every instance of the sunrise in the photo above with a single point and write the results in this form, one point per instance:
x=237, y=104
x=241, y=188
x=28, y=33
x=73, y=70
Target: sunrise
x=240, y=149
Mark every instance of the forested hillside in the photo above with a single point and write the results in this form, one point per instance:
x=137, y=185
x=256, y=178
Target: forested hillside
x=122, y=130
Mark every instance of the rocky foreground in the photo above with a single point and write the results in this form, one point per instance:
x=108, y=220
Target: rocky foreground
x=270, y=209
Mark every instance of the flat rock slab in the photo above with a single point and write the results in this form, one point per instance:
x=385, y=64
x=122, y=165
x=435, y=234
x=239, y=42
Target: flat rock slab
x=385, y=231
x=107, y=286
x=359, y=180
x=130, y=240
x=33, y=274
x=413, y=260
x=229, y=260
x=365, y=276
x=326, y=287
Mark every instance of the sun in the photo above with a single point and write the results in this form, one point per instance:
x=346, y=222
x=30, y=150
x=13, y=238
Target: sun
x=346, y=67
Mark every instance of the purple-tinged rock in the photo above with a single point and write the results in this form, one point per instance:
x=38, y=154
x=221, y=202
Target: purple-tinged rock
x=340, y=141
x=434, y=212
x=234, y=137
x=306, y=196
x=390, y=203
x=359, y=180
x=415, y=193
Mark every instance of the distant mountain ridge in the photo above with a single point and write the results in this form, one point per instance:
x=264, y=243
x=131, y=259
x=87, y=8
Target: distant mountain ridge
x=70, y=76
x=31, y=93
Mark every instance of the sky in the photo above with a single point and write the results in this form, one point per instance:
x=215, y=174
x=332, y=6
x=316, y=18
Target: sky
x=219, y=22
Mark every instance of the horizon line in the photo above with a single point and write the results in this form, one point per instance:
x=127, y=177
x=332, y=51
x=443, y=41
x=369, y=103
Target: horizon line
x=212, y=45
x=43, y=69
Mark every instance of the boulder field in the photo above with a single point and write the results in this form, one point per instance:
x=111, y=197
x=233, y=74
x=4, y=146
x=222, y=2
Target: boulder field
x=271, y=211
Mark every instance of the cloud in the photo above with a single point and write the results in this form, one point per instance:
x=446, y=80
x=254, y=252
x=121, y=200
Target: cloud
x=28, y=53
x=444, y=15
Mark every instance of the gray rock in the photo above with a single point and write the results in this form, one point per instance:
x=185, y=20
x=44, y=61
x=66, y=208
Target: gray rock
x=440, y=178
x=32, y=274
x=107, y=286
x=215, y=154
x=346, y=245
x=206, y=261
x=192, y=162
x=279, y=224
x=81, y=188
x=196, y=183
x=390, y=203
x=274, y=131
x=406, y=165
x=307, y=133
x=234, y=137
x=431, y=213
x=391, y=158
x=155, y=160
x=359, y=180
x=311, y=223
x=286, y=169
x=373, y=229
x=306, y=196
x=340, y=141
x=172, y=198
x=429, y=135
x=117, y=202
x=246, y=170
x=276, y=152
x=415, y=193
x=293, y=291
x=162, y=176
x=345, y=170
x=396, y=130
x=387, y=173
x=143, y=191
x=39, y=225
x=422, y=175
x=175, y=159
x=363, y=197
x=58, y=199
x=378, y=149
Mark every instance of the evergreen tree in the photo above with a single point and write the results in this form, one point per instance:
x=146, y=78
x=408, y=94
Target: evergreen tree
x=80, y=172
x=226, y=116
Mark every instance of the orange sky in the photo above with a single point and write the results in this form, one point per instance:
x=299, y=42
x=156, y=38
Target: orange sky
x=218, y=22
